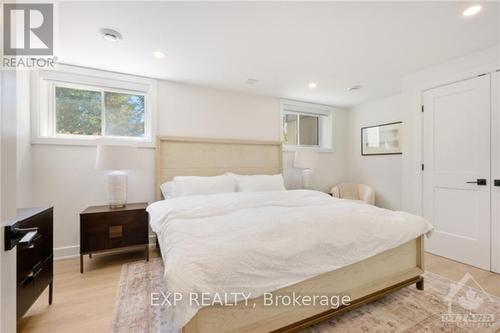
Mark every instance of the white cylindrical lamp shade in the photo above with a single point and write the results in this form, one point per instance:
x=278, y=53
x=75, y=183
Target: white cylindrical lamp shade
x=116, y=159
x=305, y=159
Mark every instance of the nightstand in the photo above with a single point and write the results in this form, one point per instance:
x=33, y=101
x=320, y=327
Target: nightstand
x=103, y=229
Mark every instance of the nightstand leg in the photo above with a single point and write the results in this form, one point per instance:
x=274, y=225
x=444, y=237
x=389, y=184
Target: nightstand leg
x=420, y=284
x=51, y=291
x=81, y=263
x=147, y=252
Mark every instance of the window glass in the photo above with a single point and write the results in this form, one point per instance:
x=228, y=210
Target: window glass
x=124, y=114
x=308, y=130
x=290, y=129
x=78, y=112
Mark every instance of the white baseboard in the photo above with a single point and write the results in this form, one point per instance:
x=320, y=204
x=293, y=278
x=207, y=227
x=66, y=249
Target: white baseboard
x=66, y=252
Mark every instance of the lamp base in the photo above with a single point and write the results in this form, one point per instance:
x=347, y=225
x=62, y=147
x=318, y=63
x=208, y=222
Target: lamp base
x=117, y=206
x=307, y=179
x=117, y=189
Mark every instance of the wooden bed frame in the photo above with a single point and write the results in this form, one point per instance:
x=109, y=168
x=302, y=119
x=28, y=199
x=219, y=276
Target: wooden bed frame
x=364, y=281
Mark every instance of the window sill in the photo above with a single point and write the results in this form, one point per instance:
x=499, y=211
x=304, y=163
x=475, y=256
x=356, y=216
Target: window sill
x=315, y=149
x=93, y=141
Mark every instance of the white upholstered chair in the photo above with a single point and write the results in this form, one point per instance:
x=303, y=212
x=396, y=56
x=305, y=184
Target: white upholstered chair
x=355, y=192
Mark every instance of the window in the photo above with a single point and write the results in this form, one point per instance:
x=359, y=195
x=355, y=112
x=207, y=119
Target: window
x=97, y=112
x=75, y=109
x=306, y=125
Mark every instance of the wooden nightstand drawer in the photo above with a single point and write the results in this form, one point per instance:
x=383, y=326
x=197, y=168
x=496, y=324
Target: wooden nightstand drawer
x=102, y=228
x=94, y=232
x=113, y=230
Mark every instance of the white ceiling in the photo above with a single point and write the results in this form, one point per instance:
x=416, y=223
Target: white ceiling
x=284, y=45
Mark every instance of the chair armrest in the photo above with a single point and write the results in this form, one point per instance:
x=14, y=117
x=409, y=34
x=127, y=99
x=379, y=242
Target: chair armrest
x=335, y=192
x=367, y=194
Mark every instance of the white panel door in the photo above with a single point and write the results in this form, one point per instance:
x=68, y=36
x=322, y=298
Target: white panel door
x=495, y=172
x=457, y=154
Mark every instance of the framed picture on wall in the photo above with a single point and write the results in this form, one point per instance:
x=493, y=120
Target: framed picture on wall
x=382, y=139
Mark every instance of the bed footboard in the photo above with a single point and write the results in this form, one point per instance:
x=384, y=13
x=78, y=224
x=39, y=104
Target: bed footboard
x=363, y=282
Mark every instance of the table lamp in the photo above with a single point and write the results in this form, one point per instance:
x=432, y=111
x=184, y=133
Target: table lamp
x=306, y=160
x=116, y=159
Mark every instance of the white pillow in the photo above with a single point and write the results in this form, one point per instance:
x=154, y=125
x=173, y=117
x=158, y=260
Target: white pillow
x=168, y=190
x=193, y=185
x=249, y=183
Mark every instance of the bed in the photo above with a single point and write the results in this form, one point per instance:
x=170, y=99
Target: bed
x=368, y=272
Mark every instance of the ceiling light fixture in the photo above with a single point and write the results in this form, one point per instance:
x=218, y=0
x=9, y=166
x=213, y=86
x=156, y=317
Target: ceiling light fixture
x=159, y=54
x=472, y=10
x=251, y=81
x=111, y=35
x=356, y=87
x=312, y=85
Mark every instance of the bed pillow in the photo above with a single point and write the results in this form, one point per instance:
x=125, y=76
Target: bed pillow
x=194, y=185
x=168, y=190
x=249, y=183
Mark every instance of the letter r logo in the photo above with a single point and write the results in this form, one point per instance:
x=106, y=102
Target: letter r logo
x=28, y=29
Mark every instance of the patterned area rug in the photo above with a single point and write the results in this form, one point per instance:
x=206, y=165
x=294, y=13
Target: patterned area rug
x=407, y=310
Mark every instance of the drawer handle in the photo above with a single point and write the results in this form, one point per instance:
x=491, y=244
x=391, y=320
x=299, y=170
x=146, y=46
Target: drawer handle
x=33, y=274
x=35, y=242
x=115, y=231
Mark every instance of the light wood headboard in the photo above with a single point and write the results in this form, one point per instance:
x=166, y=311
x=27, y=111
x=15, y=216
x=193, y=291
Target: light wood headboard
x=177, y=156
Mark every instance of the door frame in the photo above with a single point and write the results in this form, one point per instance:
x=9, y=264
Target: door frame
x=495, y=172
x=474, y=250
x=8, y=180
x=418, y=119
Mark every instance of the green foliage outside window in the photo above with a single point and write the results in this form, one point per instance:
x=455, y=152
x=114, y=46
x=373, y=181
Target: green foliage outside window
x=79, y=112
x=124, y=114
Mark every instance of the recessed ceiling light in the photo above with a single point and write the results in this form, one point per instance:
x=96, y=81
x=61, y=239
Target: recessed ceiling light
x=159, y=54
x=312, y=85
x=356, y=87
x=111, y=35
x=472, y=10
x=251, y=81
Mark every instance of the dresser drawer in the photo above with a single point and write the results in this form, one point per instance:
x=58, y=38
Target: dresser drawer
x=33, y=285
x=25, y=295
x=34, y=262
x=29, y=257
x=44, y=246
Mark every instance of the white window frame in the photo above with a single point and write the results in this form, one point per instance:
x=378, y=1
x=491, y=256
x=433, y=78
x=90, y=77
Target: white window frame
x=326, y=123
x=43, y=84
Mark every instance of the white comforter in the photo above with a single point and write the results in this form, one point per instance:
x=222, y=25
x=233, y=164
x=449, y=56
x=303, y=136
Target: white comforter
x=257, y=242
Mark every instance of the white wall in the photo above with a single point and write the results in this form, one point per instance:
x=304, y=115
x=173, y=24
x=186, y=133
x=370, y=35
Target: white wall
x=383, y=173
x=64, y=176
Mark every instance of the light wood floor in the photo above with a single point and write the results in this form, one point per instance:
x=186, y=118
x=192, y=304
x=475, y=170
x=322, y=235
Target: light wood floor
x=84, y=302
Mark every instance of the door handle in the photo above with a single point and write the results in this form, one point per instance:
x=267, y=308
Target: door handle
x=496, y=182
x=480, y=182
x=18, y=236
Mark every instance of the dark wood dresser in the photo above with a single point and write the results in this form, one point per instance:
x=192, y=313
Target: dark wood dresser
x=104, y=229
x=35, y=261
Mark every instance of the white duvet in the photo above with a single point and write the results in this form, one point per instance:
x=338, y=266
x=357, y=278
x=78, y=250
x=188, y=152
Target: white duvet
x=257, y=242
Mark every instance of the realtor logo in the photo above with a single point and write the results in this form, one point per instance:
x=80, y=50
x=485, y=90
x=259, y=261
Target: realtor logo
x=28, y=29
x=464, y=304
